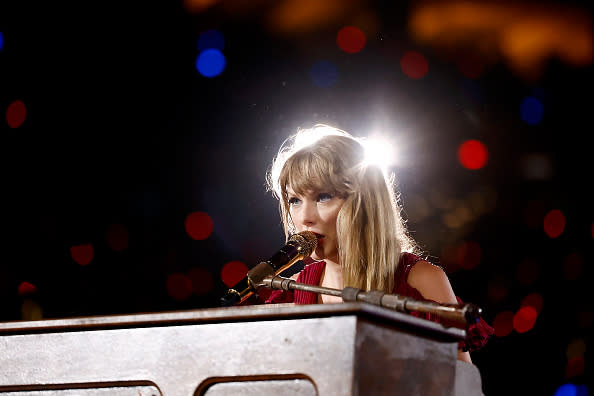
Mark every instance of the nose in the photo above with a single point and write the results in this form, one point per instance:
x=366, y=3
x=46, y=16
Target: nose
x=308, y=213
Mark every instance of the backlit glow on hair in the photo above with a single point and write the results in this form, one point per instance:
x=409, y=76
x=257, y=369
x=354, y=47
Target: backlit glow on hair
x=379, y=152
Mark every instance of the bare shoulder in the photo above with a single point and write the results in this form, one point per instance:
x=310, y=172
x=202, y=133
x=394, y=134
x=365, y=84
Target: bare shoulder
x=431, y=281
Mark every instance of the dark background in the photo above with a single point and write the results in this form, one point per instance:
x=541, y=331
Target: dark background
x=122, y=129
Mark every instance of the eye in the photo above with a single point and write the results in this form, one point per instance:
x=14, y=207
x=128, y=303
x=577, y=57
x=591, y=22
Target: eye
x=294, y=201
x=323, y=197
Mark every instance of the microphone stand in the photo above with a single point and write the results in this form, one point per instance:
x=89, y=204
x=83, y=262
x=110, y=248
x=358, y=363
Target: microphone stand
x=460, y=313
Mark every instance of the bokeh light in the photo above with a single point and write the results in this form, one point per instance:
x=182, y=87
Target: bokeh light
x=554, y=223
x=211, y=39
x=179, y=286
x=536, y=166
x=571, y=390
x=31, y=310
x=117, y=237
x=414, y=65
x=576, y=347
x=525, y=319
x=1, y=41
x=26, y=289
x=531, y=110
x=574, y=367
x=233, y=272
x=324, y=73
x=573, y=265
x=210, y=63
x=473, y=154
x=199, y=225
x=202, y=280
x=351, y=39
x=533, y=300
x=503, y=323
x=16, y=113
x=82, y=254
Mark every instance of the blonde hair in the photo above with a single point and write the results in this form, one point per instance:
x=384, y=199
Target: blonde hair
x=370, y=229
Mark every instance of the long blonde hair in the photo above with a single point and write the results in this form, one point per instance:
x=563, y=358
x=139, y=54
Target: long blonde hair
x=370, y=229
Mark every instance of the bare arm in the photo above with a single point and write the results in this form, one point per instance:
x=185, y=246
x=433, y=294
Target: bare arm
x=433, y=284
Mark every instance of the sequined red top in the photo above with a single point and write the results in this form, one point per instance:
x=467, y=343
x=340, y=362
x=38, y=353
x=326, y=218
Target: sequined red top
x=477, y=334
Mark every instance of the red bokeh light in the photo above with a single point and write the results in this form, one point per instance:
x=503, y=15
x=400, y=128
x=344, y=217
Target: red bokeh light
x=351, y=39
x=179, y=286
x=202, y=280
x=533, y=300
x=233, y=272
x=503, y=323
x=473, y=154
x=16, y=114
x=554, y=223
x=82, y=254
x=199, y=225
x=414, y=65
x=117, y=237
x=525, y=319
x=26, y=289
x=575, y=366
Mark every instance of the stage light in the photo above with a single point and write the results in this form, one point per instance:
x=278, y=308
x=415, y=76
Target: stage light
x=379, y=151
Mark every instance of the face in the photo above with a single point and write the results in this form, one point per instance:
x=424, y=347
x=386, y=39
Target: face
x=317, y=211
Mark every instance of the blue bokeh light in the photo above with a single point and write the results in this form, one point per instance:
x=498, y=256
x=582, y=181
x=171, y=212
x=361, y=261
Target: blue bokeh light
x=210, y=62
x=324, y=73
x=531, y=110
x=566, y=390
x=1, y=41
x=572, y=390
x=211, y=39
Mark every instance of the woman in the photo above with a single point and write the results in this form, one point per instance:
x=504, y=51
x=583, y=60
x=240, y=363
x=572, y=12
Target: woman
x=325, y=185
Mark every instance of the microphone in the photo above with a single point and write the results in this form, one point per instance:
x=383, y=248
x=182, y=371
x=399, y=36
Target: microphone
x=298, y=246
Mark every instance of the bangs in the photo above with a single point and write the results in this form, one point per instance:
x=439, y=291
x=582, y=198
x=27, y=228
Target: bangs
x=308, y=171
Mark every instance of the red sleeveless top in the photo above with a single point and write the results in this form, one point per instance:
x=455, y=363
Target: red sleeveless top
x=477, y=334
